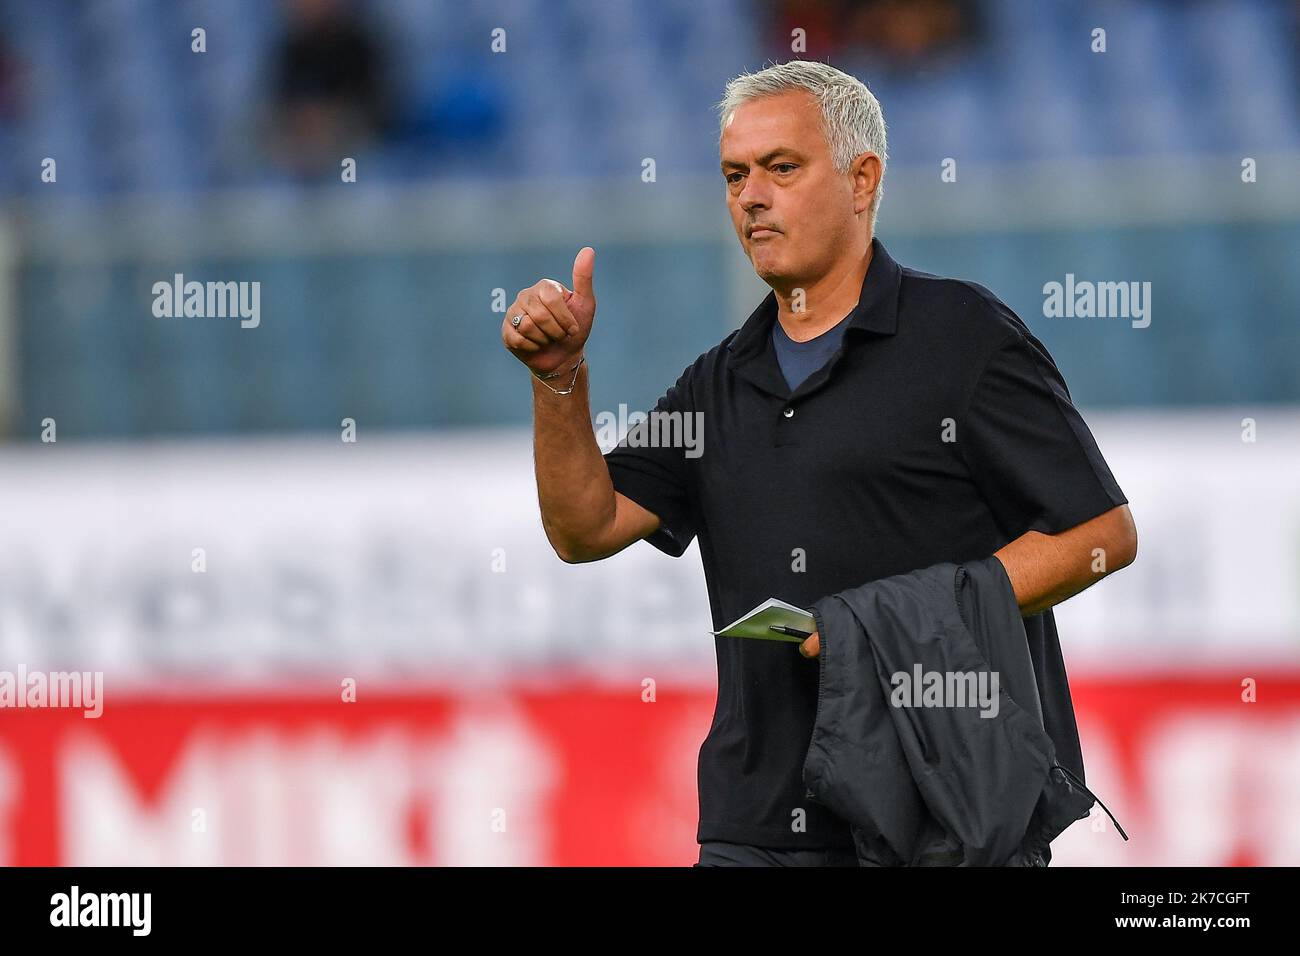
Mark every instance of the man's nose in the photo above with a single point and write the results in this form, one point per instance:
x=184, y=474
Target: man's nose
x=753, y=196
x=752, y=205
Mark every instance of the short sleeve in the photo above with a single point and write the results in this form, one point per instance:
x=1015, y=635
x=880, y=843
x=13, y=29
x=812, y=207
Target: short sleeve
x=1028, y=448
x=657, y=477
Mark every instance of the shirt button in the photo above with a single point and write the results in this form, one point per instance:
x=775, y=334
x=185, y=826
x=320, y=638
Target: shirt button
x=789, y=412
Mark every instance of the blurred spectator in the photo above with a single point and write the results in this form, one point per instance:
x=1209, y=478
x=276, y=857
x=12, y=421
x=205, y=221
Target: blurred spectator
x=10, y=115
x=822, y=23
x=896, y=34
x=9, y=71
x=330, y=89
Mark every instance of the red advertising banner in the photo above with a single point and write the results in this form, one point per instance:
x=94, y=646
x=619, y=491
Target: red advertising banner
x=1199, y=770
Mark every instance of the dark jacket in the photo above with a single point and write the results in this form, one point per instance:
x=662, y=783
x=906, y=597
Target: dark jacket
x=936, y=785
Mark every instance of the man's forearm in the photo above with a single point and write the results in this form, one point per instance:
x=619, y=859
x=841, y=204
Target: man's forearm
x=1045, y=569
x=574, y=490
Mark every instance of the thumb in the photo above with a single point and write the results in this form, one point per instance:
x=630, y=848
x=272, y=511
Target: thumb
x=583, y=267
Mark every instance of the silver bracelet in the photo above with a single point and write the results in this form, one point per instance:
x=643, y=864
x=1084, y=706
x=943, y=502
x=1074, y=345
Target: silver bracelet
x=572, y=385
x=556, y=374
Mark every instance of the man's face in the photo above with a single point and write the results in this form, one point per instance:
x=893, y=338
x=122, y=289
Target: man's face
x=779, y=174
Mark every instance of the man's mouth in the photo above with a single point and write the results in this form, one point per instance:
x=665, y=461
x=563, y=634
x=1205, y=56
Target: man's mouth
x=760, y=231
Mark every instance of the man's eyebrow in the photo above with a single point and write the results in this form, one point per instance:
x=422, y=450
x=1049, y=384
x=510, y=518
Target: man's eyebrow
x=765, y=158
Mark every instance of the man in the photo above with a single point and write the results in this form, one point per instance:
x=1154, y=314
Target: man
x=865, y=421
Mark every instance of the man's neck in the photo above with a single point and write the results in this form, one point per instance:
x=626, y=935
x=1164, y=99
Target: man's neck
x=807, y=311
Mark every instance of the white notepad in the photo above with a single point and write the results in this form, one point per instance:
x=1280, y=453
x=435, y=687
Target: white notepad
x=772, y=611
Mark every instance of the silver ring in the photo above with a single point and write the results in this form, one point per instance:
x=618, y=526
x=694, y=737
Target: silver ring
x=516, y=320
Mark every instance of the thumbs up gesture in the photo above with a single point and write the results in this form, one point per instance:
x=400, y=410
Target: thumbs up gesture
x=553, y=322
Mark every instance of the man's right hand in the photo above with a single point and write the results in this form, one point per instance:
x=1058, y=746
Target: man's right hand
x=556, y=321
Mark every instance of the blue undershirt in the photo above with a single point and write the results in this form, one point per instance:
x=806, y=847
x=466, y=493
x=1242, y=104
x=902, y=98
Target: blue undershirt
x=798, y=360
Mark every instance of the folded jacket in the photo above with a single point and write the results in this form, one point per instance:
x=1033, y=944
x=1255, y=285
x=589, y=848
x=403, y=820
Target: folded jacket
x=929, y=737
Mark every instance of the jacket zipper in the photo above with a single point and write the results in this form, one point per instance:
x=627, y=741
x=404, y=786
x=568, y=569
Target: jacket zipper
x=821, y=684
x=1084, y=788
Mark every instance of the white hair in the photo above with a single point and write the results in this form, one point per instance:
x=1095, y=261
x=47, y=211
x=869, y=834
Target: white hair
x=850, y=113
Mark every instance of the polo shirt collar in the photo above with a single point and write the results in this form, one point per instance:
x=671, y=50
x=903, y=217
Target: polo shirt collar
x=876, y=311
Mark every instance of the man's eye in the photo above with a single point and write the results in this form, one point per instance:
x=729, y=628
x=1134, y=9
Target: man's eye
x=731, y=177
x=780, y=165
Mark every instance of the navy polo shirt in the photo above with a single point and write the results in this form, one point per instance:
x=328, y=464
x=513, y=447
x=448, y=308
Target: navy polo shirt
x=939, y=430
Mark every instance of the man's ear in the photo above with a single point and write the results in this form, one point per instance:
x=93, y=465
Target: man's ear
x=866, y=171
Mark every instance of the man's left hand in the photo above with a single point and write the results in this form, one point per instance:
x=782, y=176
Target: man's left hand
x=811, y=646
